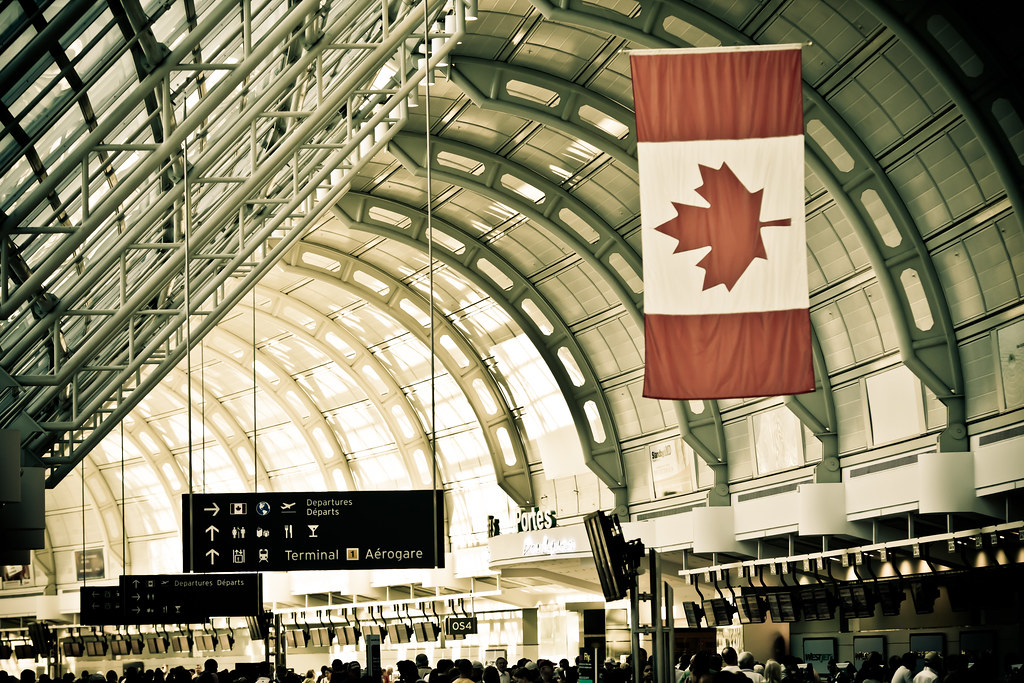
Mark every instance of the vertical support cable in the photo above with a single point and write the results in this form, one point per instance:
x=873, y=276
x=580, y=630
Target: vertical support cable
x=124, y=532
x=255, y=447
x=430, y=281
x=81, y=562
x=186, y=230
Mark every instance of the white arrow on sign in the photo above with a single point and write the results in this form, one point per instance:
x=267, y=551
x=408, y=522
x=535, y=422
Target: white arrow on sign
x=137, y=610
x=214, y=508
x=136, y=596
x=211, y=530
x=135, y=583
x=212, y=554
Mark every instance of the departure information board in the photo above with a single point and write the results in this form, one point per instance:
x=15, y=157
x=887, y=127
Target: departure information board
x=101, y=605
x=189, y=598
x=322, y=530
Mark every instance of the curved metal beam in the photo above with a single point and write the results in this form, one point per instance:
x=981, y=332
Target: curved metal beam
x=513, y=477
x=963, y=101
x=411, y=151
x=705, y=434
x=394, y=395
x=285, y=378
x=485, y=82
x=603, y=456
x=932, y=354
x=214, y=406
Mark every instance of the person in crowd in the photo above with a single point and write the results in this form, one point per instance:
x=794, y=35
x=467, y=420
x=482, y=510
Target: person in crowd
x=873, y=673
x=423, y=665
x=745, y=662
x=408, y=672
x=932, y=670
x=325, y=675
x=704, y=666
x=730, y=660
x=504, y=675
x=464, y=667
x=874, y=659
x=772, y=672
x=207, y=675
x=527, y=673
x=904, y=673
x=477, y=671
x=491, y=675
x=547, y=670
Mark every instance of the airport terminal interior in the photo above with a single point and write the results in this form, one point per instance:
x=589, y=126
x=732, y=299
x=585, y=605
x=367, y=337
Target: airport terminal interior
x=263, y=257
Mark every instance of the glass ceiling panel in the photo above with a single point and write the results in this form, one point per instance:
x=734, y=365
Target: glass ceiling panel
x=306, y=478
x=267, y=406
x=465, y=455
x=142, y=518
x=406, y=357
x=379, y=471
x=362, y=426
x=294, y=354
x=286, y=447
x=546, y=415
x=214, y=471
x=330, y=387
x=451, y=407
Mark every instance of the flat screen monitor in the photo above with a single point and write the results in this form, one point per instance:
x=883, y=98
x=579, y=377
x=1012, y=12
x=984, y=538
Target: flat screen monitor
x=611, y=554
x=72, y=648
x=718, y=612
x=694, y=614
x=95, y=648
x=181, y=644
x=24, y=652
x=156, y=645
x=295, y=638
x=817, y=603
x=347, y=635
x=782, y=607
x=924, y=593
x=320, y=637
x=120, y=647
x=751, y=608
x=891, y=595
x=426, y=631
x=206, y=642
x=398, y=633
x=857, y=600
x=226, y=641
x=135, y=645
x=373, y=630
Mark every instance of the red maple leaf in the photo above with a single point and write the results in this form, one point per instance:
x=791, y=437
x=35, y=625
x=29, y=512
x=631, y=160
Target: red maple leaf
x=731, y=226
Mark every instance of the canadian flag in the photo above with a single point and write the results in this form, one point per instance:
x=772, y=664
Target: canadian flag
x=721, y=159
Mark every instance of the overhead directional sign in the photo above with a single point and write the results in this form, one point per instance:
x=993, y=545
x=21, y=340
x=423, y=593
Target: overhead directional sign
x=189, y=598
x=101, y=605
x=319, y=530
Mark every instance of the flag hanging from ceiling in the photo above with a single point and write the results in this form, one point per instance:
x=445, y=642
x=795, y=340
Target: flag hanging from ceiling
x=721, y=157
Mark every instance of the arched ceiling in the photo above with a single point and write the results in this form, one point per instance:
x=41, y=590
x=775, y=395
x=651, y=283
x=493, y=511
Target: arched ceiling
x=345, y=229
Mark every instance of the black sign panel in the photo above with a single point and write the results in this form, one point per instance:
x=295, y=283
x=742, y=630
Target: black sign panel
x=587, y=665
x=190, y=598
x=322, y=530
x=460, y=626
x=101, y=605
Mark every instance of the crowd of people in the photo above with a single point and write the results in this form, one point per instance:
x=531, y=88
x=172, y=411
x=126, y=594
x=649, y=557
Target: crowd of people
x=705, y=666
